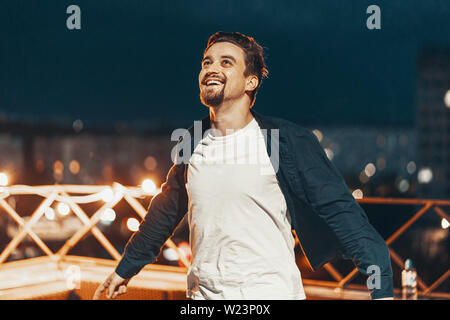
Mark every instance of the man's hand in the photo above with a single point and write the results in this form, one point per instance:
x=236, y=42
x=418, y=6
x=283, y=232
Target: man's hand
x=115, y=284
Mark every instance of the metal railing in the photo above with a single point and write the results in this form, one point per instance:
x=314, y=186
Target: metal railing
x=74, y=195
x=424, y=290
x=70, y=195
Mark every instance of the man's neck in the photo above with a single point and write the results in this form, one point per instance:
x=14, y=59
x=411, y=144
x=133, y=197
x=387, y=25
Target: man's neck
x=230, y=116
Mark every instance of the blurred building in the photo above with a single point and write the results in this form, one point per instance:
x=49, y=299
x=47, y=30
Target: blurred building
x=433, y=123
x=32, y=156
x=103, y=159
x=380, y=161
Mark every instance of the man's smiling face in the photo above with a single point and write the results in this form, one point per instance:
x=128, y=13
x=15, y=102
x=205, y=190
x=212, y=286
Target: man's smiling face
x=222, y=75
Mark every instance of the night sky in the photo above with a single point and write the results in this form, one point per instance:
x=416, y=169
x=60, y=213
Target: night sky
x=138, y=61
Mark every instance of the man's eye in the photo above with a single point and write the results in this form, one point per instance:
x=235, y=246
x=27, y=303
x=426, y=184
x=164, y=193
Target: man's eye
x=206, y=63
x=226, y=62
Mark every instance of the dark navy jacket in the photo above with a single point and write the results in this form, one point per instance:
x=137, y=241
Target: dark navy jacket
x=327, y=219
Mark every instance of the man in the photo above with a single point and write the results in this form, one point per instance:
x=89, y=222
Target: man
x=241, y=211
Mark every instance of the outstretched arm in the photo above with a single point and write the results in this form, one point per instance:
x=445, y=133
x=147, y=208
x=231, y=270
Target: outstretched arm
x=166, y=210
x=329, y=195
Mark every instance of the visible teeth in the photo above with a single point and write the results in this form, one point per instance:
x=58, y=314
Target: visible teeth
x=212, y=82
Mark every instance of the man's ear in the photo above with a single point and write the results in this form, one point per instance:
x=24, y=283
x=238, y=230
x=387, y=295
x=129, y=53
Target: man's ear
x=251, y=83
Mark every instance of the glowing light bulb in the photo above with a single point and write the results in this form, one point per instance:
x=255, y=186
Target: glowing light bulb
x=425, y=175
x=148, y=186
x=3, y=179
x=63, y=209
x=108, y=216
x=133, y=224
x=370, y=169
x=50, y=213
x=403, y=185
x=358, y=194
x=411, y=167
x=170, y=254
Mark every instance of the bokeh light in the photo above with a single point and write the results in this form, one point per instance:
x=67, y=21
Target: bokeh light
x=357, y=194
x=447, y=99
x=150, y=163
x=148, y=186
x=3, y=179
x=77, y=125
x=170, y=254
x=63, y=209
x=411, y=167
x=49, y=213
x=403, y=185
x=444, y=223
x=133, y=224
x=108, y=216
x=425, y=175
x=370, y=169
x=74, y=167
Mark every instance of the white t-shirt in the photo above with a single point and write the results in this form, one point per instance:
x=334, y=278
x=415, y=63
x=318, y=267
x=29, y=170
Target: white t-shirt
x=240, y=228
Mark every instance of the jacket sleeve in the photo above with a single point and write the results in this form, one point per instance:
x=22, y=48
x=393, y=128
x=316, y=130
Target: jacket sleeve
x=166, y=210
x=330, y=197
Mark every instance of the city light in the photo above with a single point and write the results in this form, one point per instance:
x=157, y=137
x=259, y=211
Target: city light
x=77, y=125
x=358, y=194
x=107, y=195
x=133, y=224
x=63, y=209
x=381, y=163
x=3, y=179
x=370, y=169
x=411, y=167
x=403, y=185
x=444, y=223
x=363, y=177
x=40, y=166
x=148, y=186
x=108, y=216
x=58, y=169
x=447, y=99
x=150, y=163
x=74, y=167
x=49, y=213
x=425, y=175
x=170, y=254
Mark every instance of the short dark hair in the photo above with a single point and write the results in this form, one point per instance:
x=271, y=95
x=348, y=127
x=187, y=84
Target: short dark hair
x=254, y=59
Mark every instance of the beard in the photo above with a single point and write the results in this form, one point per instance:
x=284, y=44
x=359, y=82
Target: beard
x=212, y=98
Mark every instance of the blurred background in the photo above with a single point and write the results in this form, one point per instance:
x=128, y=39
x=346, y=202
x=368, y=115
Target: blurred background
x=97, y=106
